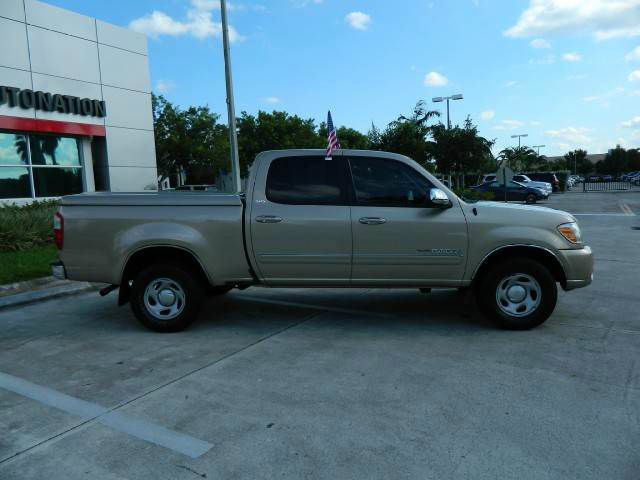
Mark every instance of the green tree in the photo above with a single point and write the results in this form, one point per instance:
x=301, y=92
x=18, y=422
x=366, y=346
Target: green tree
x=460, y=150
x=577, y=162
x=615, y=162
x=523, y=159
x=348, y=137
x=189, y=139
x=407, y=135
x=274, y=131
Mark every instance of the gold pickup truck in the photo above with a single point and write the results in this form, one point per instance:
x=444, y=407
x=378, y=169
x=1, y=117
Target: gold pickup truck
x=361, y=219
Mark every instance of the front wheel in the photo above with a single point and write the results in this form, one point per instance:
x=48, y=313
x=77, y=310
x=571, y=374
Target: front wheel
x=166, y=298
x=531, y=198
x=518, y=294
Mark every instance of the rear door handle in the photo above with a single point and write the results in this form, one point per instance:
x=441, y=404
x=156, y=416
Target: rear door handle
x=268, y=219
x=372, y=220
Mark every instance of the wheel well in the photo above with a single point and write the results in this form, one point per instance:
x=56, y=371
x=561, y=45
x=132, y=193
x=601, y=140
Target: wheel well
x=540, y=255
x=150, y=255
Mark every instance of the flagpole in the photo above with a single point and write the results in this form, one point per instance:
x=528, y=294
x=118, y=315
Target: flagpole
x=231, y=109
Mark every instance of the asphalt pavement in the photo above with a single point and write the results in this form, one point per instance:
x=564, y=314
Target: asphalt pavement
x=335, y=384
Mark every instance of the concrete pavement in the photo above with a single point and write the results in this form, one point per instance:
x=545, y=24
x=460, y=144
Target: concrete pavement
x=340, y=383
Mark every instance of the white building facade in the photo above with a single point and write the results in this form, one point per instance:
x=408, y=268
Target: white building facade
x=75, y=105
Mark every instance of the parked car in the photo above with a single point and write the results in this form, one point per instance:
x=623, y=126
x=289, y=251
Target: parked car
x=594, y=178
x=363, y=219
x=607, y=178
x=546, y=177
x=525, y=180
x=514, y=192
x=491, y=177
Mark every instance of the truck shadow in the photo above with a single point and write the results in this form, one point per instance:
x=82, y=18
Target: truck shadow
x=444, y=310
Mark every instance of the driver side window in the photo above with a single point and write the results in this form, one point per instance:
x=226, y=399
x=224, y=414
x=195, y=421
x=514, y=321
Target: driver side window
x=389, y=183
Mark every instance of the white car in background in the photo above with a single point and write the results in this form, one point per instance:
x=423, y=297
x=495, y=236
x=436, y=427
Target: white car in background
x=523, y=179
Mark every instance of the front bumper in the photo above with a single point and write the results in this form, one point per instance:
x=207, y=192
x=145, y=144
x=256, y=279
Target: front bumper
x=578, y=267
x=58, y=270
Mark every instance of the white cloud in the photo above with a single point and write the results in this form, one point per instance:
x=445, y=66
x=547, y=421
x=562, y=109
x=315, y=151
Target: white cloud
x=358, y=20
x=199, y=23
x=508, y=125
x=539, y=43
x=603, y=19
x=272, y=100
x=605, y=97
x=575, y=136
x=510, y=83
x=571, y=57
x=633, y=123
x=165, y=86
x=547, y=60
x=487, y=115
x=435, y=79
x=634, y=76
x=633, y=54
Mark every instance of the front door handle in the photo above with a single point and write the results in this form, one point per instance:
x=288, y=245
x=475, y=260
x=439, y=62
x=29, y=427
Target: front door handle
x=373, y=220
x=268, y=219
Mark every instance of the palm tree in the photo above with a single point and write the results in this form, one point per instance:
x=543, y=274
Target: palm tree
x=519, y=158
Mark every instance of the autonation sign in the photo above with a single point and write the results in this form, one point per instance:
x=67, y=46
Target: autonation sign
x=52, y=102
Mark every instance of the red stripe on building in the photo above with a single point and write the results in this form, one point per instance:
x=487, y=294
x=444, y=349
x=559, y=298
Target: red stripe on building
x=51, y=126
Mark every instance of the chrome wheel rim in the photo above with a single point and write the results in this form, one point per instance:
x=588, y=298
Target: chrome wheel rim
x=518, y=295
x=164, y=298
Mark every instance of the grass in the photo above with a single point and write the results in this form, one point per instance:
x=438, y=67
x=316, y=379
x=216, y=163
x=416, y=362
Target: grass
x=26, y=265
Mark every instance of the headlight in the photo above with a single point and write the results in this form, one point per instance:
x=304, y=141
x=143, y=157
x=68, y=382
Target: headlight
x=570, y=231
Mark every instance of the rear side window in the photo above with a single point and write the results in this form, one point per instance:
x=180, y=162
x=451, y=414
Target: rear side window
x=385, y=182
x=307, y=181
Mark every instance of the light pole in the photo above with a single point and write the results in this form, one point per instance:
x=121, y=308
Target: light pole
x=519, y=137
x=442, y=99
x=231, y=109
x=538, y=147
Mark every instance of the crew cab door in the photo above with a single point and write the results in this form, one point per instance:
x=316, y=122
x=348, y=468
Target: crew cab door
x=398, y=237
x=300, y=221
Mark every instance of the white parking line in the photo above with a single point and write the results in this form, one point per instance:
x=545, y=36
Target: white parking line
x=178, y=442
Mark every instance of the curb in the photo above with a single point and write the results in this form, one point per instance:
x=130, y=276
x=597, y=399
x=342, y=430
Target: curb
x=46, y=294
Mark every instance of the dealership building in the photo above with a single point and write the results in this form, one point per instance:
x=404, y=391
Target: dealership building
x=75, y=105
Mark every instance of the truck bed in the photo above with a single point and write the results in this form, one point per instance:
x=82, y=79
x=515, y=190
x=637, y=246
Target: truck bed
x=166, y=198
x=103, y=230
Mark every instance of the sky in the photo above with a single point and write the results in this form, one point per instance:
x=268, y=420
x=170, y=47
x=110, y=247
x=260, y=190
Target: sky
x=565, y=72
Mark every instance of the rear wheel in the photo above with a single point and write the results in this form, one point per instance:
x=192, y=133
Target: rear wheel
x=166, y=297
x=518, y=294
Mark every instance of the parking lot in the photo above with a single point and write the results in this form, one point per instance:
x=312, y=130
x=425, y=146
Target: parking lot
x=335, y=384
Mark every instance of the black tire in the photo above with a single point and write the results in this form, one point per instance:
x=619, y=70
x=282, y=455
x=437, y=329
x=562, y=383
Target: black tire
x=179, y=281
x=531, y=198
x=515, y=272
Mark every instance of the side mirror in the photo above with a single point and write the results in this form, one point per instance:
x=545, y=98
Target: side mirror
x=439, y=199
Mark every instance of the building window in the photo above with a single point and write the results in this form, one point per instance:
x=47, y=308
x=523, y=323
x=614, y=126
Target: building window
x=37, y=166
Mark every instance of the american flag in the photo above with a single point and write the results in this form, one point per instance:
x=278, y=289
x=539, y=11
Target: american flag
x=332, y=136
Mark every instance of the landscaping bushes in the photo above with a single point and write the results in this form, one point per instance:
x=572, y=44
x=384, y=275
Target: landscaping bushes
x=26, y=227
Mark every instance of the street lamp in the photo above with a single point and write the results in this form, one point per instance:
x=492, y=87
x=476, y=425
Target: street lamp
x=519, y=137
x=538, y=147
x=231, y=109
x=442, y=99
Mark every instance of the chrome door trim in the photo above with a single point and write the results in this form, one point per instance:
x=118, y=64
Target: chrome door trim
x=373, y=220
x=268, y=219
